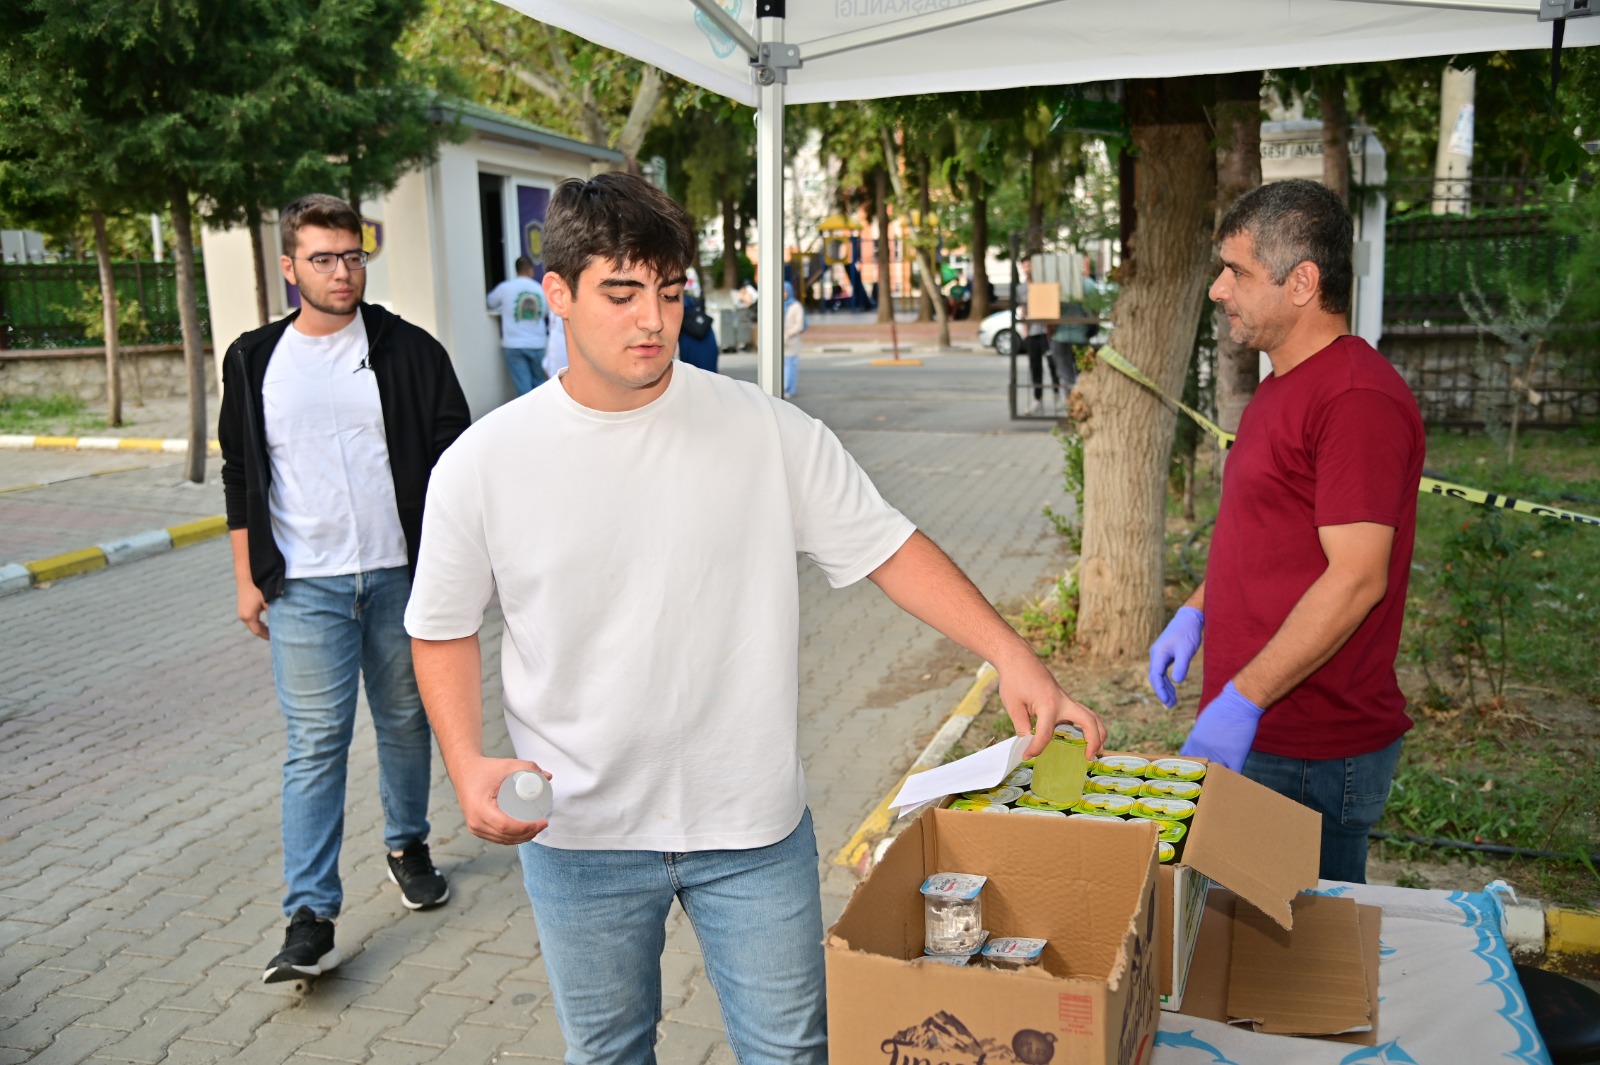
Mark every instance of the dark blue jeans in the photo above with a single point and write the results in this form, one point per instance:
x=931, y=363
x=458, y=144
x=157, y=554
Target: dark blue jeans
x=1349, y=793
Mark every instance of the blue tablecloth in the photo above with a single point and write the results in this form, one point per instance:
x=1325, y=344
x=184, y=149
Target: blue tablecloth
x=1447, y=994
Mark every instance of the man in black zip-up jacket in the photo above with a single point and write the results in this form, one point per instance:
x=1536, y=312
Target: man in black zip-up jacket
x=331, y=422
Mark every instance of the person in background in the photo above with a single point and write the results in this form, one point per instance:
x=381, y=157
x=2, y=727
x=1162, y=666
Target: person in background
x=697, y=343
x=521, y=305
x=1036, y=343
x=331, y=422
x=555, y=352
x=794, y=323
x=1305, y=583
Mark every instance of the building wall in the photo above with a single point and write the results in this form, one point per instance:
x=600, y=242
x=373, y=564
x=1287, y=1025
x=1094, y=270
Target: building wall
x=430, y=270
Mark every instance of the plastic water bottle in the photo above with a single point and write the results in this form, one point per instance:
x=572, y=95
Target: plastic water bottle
x=525, y=796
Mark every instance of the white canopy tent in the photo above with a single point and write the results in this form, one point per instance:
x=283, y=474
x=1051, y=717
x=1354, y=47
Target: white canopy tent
x=768, y=53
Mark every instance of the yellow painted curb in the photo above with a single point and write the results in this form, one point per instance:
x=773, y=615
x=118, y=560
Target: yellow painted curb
x=136, y=443
x=194, y=532
x=897, y=362
x=1572, y=932
x=877, y=822
x=58, y=566
x=55, y=441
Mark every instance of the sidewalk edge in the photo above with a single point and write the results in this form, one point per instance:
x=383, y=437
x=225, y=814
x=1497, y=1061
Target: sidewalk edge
x=857, y=853
x=20, y=576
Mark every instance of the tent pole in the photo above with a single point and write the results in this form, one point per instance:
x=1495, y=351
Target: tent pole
x=769, y=221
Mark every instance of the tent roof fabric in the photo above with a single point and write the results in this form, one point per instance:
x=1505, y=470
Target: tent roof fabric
x=1051, y=43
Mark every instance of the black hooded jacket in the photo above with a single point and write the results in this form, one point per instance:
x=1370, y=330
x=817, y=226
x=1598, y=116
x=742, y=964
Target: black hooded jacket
x=424, y=410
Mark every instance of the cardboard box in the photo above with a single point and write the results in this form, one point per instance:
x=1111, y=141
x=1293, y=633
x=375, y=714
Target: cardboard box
x=1044, y=301
x=1318, y=979
x=1304, y=967
x=1250, y=839
x=1088, y=891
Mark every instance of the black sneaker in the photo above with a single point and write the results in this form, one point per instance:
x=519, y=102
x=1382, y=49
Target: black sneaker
x=308, y=949
x=421, y=885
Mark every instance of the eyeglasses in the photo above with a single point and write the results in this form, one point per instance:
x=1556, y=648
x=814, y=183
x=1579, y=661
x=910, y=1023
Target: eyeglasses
x=323, y=262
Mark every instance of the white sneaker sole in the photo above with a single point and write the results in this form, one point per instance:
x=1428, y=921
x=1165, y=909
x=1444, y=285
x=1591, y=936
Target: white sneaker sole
x=408, y=904
x=324, y=964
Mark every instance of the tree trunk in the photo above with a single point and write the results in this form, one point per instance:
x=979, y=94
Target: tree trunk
x=730, y=252
x=1127, y=431
x=194, y=463
x=646, y=101
x=108, y=305
x=1035, y=236
x=1335, y=134
x=980, y=249
x=880, y=206
x=1238, y=171
x=259, y=254
x=930, y=288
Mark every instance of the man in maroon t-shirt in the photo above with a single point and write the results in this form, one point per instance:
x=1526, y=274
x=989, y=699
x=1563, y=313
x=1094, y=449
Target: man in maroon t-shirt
x=1306, y=581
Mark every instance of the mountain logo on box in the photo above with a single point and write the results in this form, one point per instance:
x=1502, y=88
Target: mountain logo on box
x=943, y=1040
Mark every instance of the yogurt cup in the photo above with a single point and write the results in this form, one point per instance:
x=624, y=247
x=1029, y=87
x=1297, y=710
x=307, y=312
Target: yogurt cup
x=1170, y=789
x=1175, y=769
x=1159, y=809
x=1166, y=831
x=1114, y=785
x=1122, y=765
x=1030, y=801
x=1019, y=809
x=1019, y=777
x=1115, y=805
x=1013, y=954
x=1165, y=852
x=980, y=806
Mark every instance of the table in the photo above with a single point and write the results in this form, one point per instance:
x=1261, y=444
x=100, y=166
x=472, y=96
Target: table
x=1448, y=994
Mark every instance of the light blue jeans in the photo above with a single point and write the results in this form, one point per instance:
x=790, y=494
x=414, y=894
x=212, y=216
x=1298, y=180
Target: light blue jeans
x=791, y=374
x=1349, y=793
x=327, y=632
x=526, y=367
x=757, y=913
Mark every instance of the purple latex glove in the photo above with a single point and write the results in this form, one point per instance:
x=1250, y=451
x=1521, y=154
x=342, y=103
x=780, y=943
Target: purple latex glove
x=1225, y=729
x=1175, y=647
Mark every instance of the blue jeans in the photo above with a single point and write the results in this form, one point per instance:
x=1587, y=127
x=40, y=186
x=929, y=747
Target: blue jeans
x=326, y=632
x=757, y=913
x=1349, y=793
x=791, y=374
x=526, y=367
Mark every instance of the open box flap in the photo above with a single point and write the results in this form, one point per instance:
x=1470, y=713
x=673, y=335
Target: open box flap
x=1313, y=980
x=1261, y=846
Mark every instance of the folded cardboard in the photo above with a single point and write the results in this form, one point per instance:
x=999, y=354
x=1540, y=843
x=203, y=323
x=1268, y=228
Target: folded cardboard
x=1044, y=301
x=1247, y=837
x=1088, y=891
x=1319, y=979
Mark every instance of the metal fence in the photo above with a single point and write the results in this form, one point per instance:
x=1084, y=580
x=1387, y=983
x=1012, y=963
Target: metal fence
x=1444, y=239
x=57, y=305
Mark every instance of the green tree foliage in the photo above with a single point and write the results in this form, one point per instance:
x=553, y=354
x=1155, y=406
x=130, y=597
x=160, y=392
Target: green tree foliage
x=143, y=104
x=503, y=59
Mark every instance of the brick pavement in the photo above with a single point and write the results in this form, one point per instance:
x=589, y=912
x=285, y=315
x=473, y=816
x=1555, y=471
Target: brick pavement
x=140, y=743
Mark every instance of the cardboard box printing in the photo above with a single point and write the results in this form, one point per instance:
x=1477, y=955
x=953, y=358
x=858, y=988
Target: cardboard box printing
x=1089, y=892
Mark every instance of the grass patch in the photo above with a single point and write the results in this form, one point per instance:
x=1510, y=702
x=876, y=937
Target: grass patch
x=45, y=415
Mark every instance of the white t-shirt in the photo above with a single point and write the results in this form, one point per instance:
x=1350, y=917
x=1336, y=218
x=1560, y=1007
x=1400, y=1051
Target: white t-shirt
x=645, y=563
x=555, y=350
x=332, y=497
x=520, y=301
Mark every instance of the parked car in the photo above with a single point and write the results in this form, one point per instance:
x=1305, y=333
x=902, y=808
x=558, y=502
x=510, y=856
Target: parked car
x=995, y=332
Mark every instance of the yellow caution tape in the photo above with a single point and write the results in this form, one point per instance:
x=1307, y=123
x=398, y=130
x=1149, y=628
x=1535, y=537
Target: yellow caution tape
x=1428, y=485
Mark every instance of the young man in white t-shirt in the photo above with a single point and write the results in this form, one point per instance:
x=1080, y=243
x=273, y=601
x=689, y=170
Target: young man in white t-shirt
x=650, y=657
x=332, y=419
x=520, y=302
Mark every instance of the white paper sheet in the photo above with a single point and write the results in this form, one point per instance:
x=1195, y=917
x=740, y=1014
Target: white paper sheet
x=986, y=769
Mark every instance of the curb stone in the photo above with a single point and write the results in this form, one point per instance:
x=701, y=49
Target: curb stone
x=20, y=576
x=100, y=443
